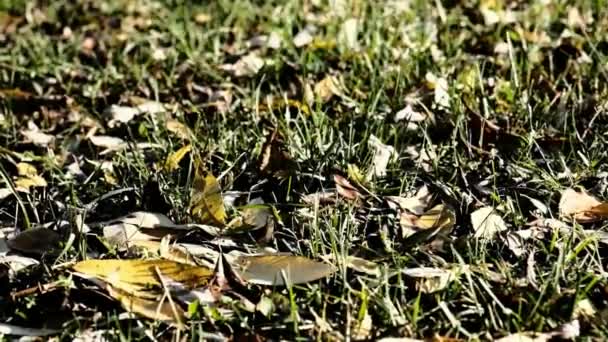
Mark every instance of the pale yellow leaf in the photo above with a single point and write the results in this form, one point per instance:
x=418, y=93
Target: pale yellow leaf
x=272, y=269
x=487, y=223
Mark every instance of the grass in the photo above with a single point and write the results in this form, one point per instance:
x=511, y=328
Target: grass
x=540, y=76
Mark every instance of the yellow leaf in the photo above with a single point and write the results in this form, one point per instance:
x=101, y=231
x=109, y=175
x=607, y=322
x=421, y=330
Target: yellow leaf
x=153, y=309
x=26, y=170
x=269, y=269
x=206, y=200
x=25, y=183
x=172, y=162
x=136, y=276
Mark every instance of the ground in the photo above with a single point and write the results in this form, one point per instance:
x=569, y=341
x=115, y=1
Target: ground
x=333, y=114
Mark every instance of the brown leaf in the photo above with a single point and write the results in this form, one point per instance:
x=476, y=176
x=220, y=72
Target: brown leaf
x=582, y=207
x=274, y=158
x=346, y=189
x=35, y=241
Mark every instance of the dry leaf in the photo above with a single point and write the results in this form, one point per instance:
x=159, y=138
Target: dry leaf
x=107, y=142
x=172, y=162
x=582, y=207
x=153, y=309
x=348, y=34
x=206, y=200
x=440, y=218
x=140, y=278
x=416, y=204
x=273, y=268
x=440, y=86
x=326, y=88
x=487, y=223
x=38, y=138
x=382, y=155
x=17, y=263
x=409, y=115
x=274, y=158
x=9, y=329
x=35, y=241
x=345, y=189
x=430, y=279
x=248, y=65
x=124, y=114
x=254, y=216
x=202, y=17
x=179, y=129
x=363, y=266
x=302, y=38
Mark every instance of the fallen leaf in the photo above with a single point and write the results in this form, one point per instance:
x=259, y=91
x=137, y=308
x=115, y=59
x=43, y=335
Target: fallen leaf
x=346, y=189
x=439, y=218
x=303, y=38
x=430, y=279
x=362, y=330
x=582, y=207
x=179, y=129
x=206, y=202
x=25, y=169
x=487, y=223
x=326, y=88
x=363, y=266
x=249, y=65
x=9, y=329
x=270, y=269
x=382, y=155
x=274, y=158
x=38, y=138
x=153, y=309
x=409, y=115
x=107, y=142
x=416, y=204
x=347, y=36
x=17, y=263
x=254, y=216
x=5, y=192
x=35, y=241
x=172, y=162
x=202, y=18
x=140, y=278
x=124, y=114
x=440, y=86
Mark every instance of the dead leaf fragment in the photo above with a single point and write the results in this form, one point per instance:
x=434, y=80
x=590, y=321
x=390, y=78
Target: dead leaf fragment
x=179, y=129
x=276, y=269
x=346, y=189
x=430, y=279
x=582, y=207
x=416, y=204
x=274, y=158
x=487, y=223
x=172, y=162
x=107, y=142
x=249, y=65
x=326, y=88
x=382, y=155
x=439, y=218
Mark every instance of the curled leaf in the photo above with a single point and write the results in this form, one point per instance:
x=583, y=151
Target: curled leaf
x=172, y=162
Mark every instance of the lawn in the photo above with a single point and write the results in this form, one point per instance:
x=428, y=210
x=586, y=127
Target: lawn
x=303, y=170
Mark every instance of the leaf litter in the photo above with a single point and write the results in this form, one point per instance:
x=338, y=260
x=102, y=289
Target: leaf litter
x=235, y=233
